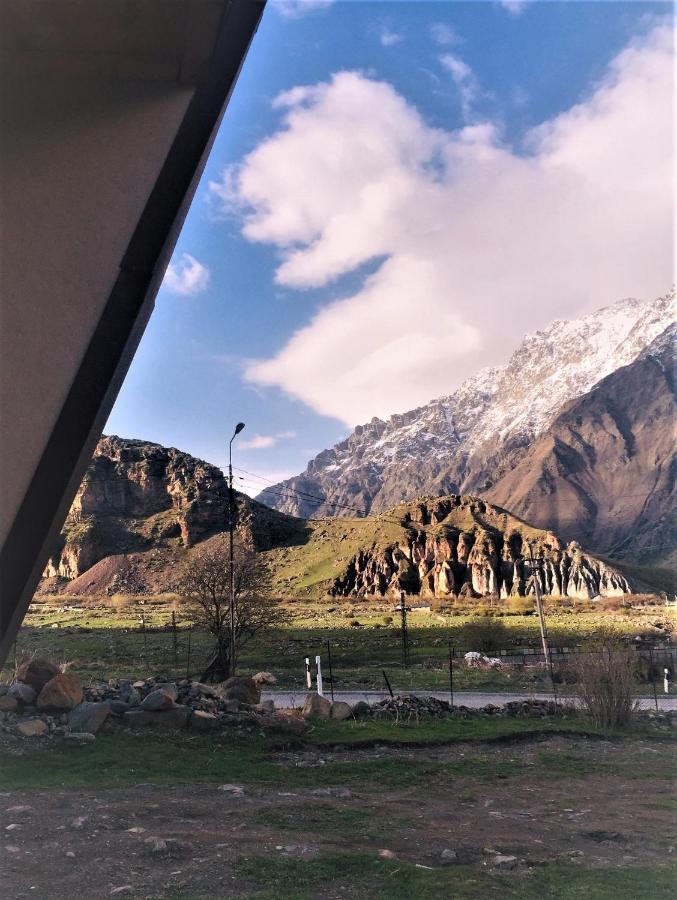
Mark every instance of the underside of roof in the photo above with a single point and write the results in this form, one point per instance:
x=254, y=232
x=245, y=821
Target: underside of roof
x=107, y=113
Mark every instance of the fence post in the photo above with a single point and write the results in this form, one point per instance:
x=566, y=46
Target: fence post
x=318, y=664
x=145, y=639
x=190, y=635
x=653, y=679
x=451, y=673
x=390, y=690
x=331, y=671
x=174, y=640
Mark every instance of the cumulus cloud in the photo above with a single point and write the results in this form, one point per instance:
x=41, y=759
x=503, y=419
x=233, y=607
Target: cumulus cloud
x=464, y=79
x=444, y=34
x=264, y=441
x=389, y=38
x=187, y=276
x=296, y=9
x=514, y=7
x=471, y=242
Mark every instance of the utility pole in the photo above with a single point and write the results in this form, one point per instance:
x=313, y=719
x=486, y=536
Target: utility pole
x=403, y=609
x=231, y=530
x=541, y=615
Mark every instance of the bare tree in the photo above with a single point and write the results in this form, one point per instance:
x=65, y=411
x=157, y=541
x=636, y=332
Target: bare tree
x=205, y=584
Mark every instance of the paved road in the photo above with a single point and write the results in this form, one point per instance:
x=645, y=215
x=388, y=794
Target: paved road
x=474, y=699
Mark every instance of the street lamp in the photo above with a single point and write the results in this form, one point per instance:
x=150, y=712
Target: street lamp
x=231, y=523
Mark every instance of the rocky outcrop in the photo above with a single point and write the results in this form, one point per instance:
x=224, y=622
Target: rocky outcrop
x=463, y=547
x=605, y=471
x=140, y=501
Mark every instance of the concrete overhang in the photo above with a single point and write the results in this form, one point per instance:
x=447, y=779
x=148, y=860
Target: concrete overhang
x=108, y=111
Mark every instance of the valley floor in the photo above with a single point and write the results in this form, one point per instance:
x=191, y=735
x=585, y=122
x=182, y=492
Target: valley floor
x=491, y=815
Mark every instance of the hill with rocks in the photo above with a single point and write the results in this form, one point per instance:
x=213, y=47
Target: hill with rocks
x=440, y=547
x=139, y=510
x=468, y=441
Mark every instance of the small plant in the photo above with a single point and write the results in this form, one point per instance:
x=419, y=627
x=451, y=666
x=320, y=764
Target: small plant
x=484, y=635
x=606, y=673
x=520, y=606
x=387, y=620
x=354, y=623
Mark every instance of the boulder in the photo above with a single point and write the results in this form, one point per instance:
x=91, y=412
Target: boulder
x=361, y=710
x=32, y=727
x=244, y=690
x=203, y=721
x=79, y=737
x=88, y=717
x=8, y=704
x=174, y=718
x=36, y=673
x=22, y=692
x=316, y=707
x=158, y=700
x=341, y=710
x=63, y=691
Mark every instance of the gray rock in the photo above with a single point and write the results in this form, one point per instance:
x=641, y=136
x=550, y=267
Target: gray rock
x=361, y=710
x=203, y=721
x=8, y=704
x=88, y=717
x=79, y=737
x=157, y=701
x=32, y=728
x=502, y=861
x=316, y=707
x=448, y=857
x=24, y=693
x=341, y=710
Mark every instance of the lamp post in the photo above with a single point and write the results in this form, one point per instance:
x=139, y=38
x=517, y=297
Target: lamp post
x=231, y=524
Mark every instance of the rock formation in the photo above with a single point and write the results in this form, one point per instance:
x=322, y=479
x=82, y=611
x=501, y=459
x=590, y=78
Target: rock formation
x=463, y=547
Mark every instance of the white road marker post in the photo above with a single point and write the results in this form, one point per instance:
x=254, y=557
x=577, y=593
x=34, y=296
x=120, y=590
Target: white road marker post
x=318, y=663
x=666, y=681
x=309, y=677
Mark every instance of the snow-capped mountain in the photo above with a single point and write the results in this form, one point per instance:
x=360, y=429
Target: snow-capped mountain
x=465, y=441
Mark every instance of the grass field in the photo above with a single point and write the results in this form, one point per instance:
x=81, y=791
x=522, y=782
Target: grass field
x=105, y=638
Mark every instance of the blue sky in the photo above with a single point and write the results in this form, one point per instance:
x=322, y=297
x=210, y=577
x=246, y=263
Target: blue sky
x=451, y=176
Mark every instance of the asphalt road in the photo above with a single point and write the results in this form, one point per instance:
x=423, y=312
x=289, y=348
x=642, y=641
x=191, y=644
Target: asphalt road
x=473, y=699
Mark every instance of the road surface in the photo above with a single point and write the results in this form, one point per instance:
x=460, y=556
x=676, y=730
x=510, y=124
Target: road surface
x=473, y=699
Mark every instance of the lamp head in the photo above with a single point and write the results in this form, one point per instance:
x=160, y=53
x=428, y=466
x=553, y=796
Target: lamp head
x=239, y=427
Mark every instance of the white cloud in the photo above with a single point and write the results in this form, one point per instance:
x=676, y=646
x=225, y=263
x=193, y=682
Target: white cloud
x=389, y=38
x=264, y=441
x=464, y=79
x=187, y=276
x=473, y=243
x=444, y=34
x=514, y=7
x=296, y=9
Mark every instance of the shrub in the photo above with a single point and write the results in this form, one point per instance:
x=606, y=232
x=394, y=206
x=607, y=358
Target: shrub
x=387, y=620
x=354, y=623
x=605, y=681
x=484, y=635
x=520, y=606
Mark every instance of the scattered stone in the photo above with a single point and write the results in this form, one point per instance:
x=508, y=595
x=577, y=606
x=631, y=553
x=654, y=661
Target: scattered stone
x=449, y=856
x=10, y=848
x=79, y=823
x=158, y=701
x=8, y=704
x=32, y=727
x=88, y=717
x=123, y=889
x=70, y=854
x=24, y=693
x=137, y=829
x=316, y=707
x=36, y=673
x=361, y=710
x=387, y=854
x=12, y=827
x=502, y=861
x=79, y=737
x=342, y=793
x=64, y=691
x=244, y=690
x=341, y=710
x=235, y=789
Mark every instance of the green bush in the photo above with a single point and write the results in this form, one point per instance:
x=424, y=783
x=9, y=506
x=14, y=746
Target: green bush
x=484, y=635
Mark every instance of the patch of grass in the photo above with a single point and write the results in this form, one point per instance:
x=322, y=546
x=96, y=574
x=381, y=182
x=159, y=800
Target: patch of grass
x=364, y=875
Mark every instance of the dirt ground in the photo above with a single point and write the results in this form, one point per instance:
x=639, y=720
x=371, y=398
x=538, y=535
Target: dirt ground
x=600, y=804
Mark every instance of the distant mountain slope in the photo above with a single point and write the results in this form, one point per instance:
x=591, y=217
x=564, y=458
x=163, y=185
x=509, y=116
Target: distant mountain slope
x=466, y=441
x=604, y=472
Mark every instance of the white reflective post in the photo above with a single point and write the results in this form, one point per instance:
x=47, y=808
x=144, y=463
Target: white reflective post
x=309, y=677
x=666, y=681
x=319, y=676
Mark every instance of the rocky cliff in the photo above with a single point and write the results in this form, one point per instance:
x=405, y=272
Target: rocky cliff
x=465, y=442
x=138, y=497
x=604, y=472
x=460, y=546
